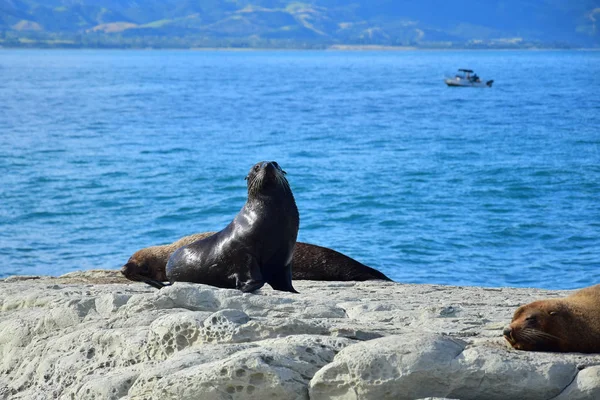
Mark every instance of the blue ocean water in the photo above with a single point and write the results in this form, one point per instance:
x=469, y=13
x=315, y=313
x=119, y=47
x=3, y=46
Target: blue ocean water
x=105, y=152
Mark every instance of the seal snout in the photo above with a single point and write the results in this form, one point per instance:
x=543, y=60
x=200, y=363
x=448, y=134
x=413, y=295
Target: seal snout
x=133, y=269
x=266, y=175
x=127, y=269
x=508, y=334
x=270, y=166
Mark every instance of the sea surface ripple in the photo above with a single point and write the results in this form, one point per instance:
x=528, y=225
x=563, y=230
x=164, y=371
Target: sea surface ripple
x=105, y=152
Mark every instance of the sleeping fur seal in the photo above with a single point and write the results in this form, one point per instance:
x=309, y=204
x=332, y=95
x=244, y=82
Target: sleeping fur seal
x=148, y=265
x=570, y=324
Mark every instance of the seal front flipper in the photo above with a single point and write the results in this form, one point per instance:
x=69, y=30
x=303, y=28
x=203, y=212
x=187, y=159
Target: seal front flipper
x=250, y=281
x=155, y=283
x=249, y=286
x=281, y=279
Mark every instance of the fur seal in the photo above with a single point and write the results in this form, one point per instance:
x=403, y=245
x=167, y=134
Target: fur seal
x=316, y=263
x=570, y=324
x=311, y=262
x=255, y=248
x=148, y=265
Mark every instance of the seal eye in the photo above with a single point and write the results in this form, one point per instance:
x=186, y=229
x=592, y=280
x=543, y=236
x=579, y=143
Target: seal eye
x=552, y=313
x=530, y=318
x=143, y=268
x=256, y=167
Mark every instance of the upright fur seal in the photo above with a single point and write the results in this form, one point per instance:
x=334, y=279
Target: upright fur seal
x=311, y=262
x=570, y=324
x=255, y=248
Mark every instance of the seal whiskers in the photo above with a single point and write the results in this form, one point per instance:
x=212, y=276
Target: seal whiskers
x=532, y=335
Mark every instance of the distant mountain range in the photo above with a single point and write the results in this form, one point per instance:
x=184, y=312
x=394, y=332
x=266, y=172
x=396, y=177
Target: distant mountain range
x=305, y=24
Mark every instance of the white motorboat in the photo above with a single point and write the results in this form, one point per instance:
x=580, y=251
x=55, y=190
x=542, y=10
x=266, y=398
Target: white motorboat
x=467, y=78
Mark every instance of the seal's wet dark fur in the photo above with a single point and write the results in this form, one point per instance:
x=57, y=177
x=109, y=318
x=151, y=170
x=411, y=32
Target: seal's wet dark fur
x=255, y=248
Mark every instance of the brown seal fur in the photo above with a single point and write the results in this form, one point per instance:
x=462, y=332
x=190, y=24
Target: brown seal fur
x=148, y=265
x=311, y=262
x=570, y=324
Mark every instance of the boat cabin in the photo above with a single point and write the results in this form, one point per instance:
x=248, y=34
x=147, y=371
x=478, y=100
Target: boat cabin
x=468, y=74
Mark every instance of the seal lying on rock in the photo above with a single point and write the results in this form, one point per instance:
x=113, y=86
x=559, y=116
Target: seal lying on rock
x=255, y=248
x=316, y=263
x=311, y=262
x=148, y=265
x=571, y=324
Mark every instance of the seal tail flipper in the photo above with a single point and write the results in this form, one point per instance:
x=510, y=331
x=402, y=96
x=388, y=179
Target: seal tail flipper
x=379, y=275
x=282, y=280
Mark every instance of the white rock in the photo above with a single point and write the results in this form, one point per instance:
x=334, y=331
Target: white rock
x=191, y=297
x=174, y=332
x=585, y=386
x=91, y=336
x=276, y=368
x=493, y=372
x=394, y=367
x=109, y=303
x=414, y=366
x=112, y=386
x=221, y=326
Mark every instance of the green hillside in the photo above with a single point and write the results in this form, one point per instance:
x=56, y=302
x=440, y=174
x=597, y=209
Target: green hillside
x=316, y=23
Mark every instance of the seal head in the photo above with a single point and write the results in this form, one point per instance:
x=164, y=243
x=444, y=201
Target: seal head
x=145, y=266
x=535, y=327
x=570, y=324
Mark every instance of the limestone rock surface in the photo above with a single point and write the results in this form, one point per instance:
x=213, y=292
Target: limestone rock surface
x=95, y=335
